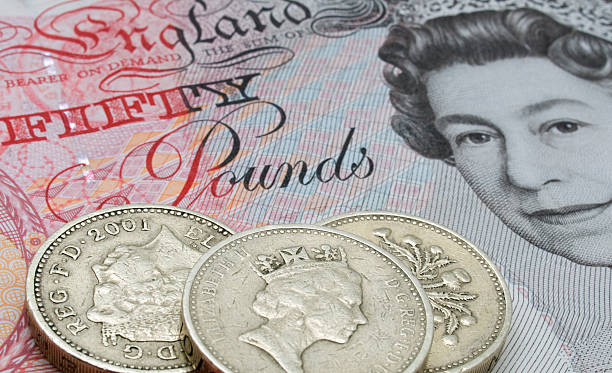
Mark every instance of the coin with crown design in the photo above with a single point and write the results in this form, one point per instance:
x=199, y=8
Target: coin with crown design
x=104, y=292
x=469, y=297
x=304, y=299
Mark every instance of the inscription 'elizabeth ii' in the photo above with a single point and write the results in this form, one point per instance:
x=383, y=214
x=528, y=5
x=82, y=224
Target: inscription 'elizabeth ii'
x=305, y=300
x=139, y=290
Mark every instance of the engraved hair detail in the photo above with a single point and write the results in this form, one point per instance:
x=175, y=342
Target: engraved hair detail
x=413, y=50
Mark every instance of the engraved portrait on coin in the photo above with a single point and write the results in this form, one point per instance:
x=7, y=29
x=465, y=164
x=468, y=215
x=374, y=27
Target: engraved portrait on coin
x=139, y=289
x=104, y=292
x=305, y=300
x=516, y=96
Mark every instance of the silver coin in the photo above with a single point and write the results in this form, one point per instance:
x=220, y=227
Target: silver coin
x=104, y=292
x=301, y=298
x=470, y=299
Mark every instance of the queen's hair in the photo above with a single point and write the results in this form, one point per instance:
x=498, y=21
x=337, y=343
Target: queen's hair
x=412, y=51
x=287, y=294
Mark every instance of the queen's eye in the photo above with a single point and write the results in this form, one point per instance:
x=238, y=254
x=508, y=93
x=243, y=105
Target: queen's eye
x=474, y=138
x=564, y=126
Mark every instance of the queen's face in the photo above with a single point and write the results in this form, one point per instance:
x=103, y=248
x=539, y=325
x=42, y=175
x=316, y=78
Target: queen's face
x=335, y=315
x=535, y=143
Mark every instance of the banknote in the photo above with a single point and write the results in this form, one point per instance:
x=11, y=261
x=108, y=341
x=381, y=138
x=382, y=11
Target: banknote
x=489, y=117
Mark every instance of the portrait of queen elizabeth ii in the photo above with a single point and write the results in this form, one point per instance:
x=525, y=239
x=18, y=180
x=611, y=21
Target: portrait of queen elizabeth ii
x=517, y=95
x=139, y=290
x=306, y=299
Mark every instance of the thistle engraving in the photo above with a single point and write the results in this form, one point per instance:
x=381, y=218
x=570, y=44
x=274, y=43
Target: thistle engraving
x=138, y=296
x=308, y=297
x=442, y=288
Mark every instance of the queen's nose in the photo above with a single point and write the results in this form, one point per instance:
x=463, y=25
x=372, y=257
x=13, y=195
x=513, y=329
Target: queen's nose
x=359, y=317
x=531, y=165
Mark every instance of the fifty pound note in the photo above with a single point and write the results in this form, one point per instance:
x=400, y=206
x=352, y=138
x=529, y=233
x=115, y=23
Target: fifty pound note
x=489, y=117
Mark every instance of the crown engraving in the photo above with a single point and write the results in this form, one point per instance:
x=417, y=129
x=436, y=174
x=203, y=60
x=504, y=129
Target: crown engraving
x=292, y=260
x=590, y=16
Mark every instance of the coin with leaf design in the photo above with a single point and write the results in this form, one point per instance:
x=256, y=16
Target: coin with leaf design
x=104, y=292
x=304, y=299
x=468, y=295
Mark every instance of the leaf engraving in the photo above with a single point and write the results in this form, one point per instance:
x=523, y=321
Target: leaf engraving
x=442, y=288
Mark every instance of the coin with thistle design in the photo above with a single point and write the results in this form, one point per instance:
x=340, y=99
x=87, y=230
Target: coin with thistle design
x=104, y=292
x=469, y=298
x=304, y=299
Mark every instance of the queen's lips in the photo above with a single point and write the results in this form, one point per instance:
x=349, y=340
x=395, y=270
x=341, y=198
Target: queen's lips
x=570, y=214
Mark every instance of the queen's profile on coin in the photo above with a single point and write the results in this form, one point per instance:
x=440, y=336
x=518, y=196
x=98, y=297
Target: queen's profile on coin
x=305, y=300
x=139, y=289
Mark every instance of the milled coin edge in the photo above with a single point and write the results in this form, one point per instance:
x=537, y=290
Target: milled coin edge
x=53, y=347
x=487, y=359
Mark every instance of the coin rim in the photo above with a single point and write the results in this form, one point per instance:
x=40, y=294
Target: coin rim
x=196, y=341
x=495, y=347
x=36, y=320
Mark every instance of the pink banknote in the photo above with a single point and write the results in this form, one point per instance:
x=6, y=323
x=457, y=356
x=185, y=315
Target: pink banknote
x=490, y=117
